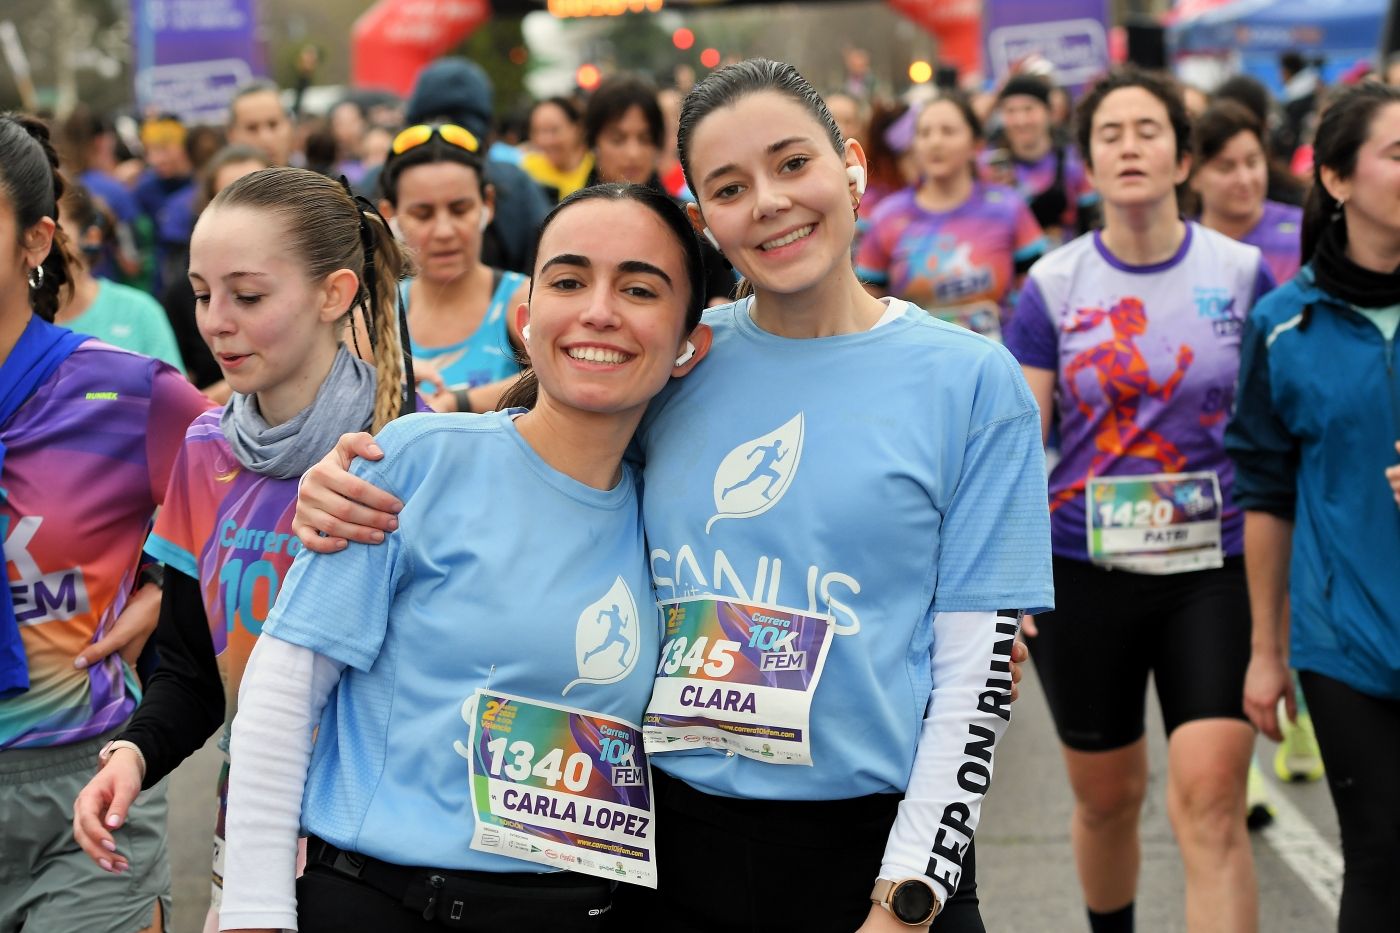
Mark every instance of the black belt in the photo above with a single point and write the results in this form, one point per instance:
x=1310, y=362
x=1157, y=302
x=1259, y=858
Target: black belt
x=446, y=894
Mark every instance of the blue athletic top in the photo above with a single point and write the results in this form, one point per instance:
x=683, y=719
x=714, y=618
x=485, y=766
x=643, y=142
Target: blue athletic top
x=486, y=355
x=504, y=572
x=885, y=476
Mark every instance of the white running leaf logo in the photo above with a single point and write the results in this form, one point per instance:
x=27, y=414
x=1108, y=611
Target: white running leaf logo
x=606, y=639
x=756, y=474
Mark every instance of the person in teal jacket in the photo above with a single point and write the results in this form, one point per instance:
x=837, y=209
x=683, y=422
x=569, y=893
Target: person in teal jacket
x=1314, y=439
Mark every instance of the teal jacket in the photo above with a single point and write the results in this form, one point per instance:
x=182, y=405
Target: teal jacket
x=1317, y=415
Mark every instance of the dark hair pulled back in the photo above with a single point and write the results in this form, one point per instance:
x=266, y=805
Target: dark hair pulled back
x=1343, y=130
x=524, y=392
x=32, y=183
x=431, y=152
x=732, y=83
x=1161, y=86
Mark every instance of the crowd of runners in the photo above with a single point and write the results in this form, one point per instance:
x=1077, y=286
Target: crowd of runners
x=563, y=503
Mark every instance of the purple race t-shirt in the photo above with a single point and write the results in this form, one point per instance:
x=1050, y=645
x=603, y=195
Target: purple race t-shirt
x=1278, y=234
x=959, y=265
x=1145, y=359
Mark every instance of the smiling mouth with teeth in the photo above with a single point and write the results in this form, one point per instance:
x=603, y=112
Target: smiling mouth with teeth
x=792, y=237
x=598, y=355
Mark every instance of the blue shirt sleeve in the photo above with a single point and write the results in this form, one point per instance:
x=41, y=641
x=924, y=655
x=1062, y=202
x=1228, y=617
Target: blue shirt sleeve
x=1032, y=337
x=1265, y=452
x=338, y=604
x=995, y=540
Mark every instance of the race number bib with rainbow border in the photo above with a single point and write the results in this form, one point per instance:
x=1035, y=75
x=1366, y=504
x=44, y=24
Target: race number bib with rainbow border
x=1159, y=524
x=561, y=787
x=737, y=677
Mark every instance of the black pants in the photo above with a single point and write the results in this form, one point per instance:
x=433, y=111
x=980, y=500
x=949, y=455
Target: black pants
x=329, y=902
x=734, y=866
x=1360, y=740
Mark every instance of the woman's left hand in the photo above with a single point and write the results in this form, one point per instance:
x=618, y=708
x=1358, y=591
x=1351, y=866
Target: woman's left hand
x=1019, y=653
x=129, y=633
x=880, y=920
x=1393, y=474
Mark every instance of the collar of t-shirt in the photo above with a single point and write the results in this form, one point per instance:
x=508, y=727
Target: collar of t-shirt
x=894, y=310
x=1387, y=320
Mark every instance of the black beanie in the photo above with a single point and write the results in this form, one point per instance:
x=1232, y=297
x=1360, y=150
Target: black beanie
x=1029, y=85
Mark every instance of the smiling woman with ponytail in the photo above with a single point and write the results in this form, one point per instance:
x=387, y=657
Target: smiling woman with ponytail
x=279, y=262
x=87, y=437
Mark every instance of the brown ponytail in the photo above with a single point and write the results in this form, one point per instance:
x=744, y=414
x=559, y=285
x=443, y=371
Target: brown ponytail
x=328, y=230
x=31, y=181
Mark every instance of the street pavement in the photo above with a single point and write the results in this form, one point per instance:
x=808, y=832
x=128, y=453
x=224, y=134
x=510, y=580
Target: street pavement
x=1026, y=871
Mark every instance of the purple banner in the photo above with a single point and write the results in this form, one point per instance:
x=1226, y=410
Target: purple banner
x=1071, y=34
x=192, y=54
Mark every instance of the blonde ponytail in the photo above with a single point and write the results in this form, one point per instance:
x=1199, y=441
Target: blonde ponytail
x=387, y=263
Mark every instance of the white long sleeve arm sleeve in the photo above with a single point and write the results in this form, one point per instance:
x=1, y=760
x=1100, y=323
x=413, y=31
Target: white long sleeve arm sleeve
x=279, y=704
x=967, y=714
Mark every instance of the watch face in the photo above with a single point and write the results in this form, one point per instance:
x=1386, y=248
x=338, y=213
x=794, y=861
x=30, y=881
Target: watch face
x=912, y=902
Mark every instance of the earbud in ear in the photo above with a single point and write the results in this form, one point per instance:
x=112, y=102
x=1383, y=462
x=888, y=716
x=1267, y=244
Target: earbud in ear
x=689, y=349
x=485, y=220
x=709, y=235
x=525, y=333
x=856, y=174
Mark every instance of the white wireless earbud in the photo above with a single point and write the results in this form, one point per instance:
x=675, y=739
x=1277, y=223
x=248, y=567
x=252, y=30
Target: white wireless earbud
x=709, y=235
x=689, y=350
x=525, y=333
x=485, y=219
x=857, y=176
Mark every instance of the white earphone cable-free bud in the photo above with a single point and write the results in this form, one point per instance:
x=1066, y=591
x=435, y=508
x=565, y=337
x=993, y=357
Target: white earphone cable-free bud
x=856, y=174
x=689, y=351
x=709, y=235
x=525, y=333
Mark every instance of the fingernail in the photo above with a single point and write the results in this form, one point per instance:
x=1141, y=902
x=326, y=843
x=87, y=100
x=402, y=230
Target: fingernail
x=377, y=536
x=341, y=544
x=374, y=449
x=109, y=845
x=121, y=867
x=80, y=662
x=106, y=865
x=114, y=821
x=393, y=524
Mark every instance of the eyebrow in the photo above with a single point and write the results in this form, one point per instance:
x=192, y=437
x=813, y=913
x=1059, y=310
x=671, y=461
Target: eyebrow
x=231, y=275
x=627, y=265
x=1137, y=121
x=776, y=147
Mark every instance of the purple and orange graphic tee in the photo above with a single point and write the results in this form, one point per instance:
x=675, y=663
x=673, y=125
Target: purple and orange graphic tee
x=230, y=529
x=87, y=460
x=1146, y=359
x=959, y=265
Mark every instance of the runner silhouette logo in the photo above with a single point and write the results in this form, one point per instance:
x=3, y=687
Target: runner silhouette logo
x=606, y=638
x=755, y=475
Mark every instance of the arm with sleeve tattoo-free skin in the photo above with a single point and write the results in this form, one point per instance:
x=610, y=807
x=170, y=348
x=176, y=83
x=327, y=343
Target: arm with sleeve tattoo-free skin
x=1268, y=542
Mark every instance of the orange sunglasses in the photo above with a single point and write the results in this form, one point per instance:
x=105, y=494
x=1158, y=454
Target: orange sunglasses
x=450, y=133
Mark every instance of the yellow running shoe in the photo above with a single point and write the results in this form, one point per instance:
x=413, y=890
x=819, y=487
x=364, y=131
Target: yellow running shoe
x=1258, y=811
x=1298, y=758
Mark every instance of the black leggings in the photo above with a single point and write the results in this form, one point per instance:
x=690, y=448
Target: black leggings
x=765, y=866
x=1360, y=740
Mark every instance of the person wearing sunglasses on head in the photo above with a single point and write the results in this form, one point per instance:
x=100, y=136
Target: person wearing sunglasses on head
x=434, y=189
x=454, y=90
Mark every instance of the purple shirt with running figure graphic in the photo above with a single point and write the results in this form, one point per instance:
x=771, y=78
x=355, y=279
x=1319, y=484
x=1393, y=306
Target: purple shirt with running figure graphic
x=1145, y=358
x=1278, y=234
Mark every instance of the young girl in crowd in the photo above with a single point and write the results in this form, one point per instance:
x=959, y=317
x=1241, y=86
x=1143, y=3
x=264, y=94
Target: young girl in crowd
x=515, y=524
x=887, y=552
x=952, y=244
x=278, y=262
x=435, y=192
x=1230, y=180
x=1315, y=435
x=1132, y=335
x=88, y=434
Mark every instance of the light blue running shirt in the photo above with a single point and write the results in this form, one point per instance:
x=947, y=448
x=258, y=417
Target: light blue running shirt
x=505, y=571
x=485, y=356
x=885, y=475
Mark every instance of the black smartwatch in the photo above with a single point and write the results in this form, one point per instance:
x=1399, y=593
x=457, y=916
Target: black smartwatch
x=912, y=901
